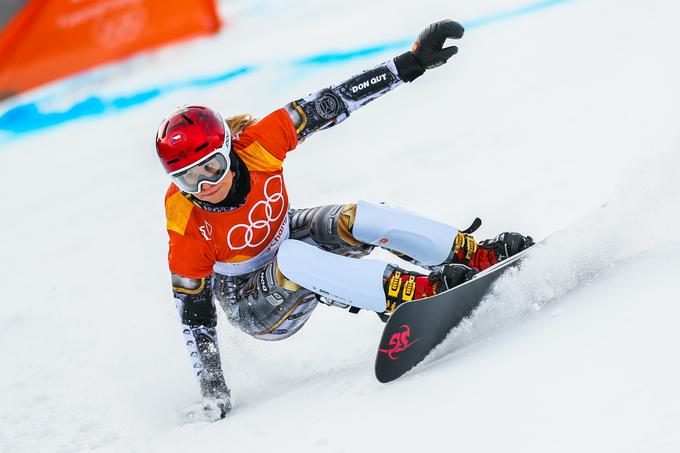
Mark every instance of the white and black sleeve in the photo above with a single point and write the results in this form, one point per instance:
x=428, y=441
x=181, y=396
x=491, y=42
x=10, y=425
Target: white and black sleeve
x=332, y=105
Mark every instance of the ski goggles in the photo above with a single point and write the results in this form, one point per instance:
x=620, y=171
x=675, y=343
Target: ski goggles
x=210, y=170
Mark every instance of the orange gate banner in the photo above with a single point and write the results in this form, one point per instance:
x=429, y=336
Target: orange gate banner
x=49, y=39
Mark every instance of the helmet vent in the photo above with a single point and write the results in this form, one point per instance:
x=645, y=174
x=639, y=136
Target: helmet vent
x=172, y=161
x=187, y=118
x=204, y=145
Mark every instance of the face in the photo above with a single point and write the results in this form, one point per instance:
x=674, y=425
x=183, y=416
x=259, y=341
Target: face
x=214, y=193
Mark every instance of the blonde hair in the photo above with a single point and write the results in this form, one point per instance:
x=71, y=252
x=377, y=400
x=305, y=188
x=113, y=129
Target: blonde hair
x=237, y=123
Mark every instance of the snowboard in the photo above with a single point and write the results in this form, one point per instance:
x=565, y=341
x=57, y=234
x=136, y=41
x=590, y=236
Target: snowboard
x=415, y=328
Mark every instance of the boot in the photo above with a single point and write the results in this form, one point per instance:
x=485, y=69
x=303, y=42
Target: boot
x=405, y=286
x=488, y=252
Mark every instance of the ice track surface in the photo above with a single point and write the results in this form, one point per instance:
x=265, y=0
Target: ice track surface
x=560, y=119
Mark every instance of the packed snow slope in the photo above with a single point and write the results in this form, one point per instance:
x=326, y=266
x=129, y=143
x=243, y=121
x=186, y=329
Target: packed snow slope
x=563, y=119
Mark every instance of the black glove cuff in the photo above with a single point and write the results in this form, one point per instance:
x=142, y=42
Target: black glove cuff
x=408, y=66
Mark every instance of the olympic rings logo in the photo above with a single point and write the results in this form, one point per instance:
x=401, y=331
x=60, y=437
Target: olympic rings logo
x=260, y=217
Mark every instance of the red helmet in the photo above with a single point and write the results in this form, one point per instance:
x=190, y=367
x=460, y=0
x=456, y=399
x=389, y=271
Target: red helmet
x=193, y=145
x=190, y=135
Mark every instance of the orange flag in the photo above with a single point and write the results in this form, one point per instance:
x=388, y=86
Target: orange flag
x=49, y=39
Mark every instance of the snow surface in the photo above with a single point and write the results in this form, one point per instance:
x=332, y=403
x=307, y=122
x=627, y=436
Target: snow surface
x=562, y=119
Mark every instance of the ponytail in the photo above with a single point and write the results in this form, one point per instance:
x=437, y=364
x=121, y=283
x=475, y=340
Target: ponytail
x=237, y=123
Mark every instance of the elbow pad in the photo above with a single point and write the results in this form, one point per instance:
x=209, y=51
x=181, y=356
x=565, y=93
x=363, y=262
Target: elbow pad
x=194, y=301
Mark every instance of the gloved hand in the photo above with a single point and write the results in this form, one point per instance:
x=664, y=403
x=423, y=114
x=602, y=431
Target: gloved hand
x=429, y=47
x=211, y=409
x=428, y=51
x=216, y=409
x=216, y=398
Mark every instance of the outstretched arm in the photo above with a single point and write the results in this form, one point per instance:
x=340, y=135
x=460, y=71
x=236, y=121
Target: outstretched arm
x=330, y=106
x=193, y=298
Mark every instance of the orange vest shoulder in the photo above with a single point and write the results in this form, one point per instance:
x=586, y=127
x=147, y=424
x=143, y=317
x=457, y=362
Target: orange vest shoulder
x=177, y=210
x=264, y=145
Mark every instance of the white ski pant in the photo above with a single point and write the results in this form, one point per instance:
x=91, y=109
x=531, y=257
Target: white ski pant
x=319, y=260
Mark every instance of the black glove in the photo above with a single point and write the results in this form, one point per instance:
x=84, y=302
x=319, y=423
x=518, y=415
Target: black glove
x=216, y=398
x=216, y=409
x=428, y=51
x=429, y=47
x=216, y=394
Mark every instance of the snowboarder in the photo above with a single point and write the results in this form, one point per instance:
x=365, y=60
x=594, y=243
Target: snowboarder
x=235, y=240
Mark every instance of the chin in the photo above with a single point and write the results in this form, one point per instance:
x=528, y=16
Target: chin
x=214, y=197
